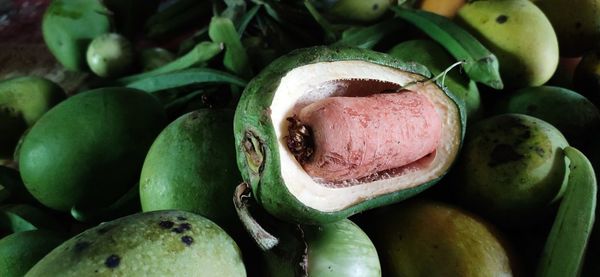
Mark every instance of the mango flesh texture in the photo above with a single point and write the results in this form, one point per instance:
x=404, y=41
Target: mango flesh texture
x=576, y=22
x=519, y=34
x=191, y=167
x=278, y=181
x=572, y=114
x=89, y=149
x=512, y=167
x=162, y=243
x=436, y=59
x=19, y=252
x=69, y=26
x=426, y=238
x=23, y=100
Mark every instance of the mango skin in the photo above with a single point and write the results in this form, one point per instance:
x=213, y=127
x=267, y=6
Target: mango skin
x=23, y=100
x=512, y=167
x=576, y=22
x=69, y=26
x=19, y=252
x=436, y=59
x=426, y=238
x=360, y=10
x=89, y=149
x=571, y=113
x=191, y=167
x=162, y=243
x=519, y=34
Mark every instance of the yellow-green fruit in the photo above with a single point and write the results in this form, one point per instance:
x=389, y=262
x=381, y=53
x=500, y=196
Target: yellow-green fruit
x=425, y=238
x=576, y=22
x=512, y=167
x=518, y=33
x=360, y=10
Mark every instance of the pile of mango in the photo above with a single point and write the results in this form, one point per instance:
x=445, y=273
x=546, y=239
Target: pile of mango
x=188, y=149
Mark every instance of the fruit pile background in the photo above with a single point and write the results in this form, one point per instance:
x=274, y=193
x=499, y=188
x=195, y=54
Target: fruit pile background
x=519, y=200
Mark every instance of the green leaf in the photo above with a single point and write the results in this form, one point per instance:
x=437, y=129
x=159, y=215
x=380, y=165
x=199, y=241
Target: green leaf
x=222, y=30
x=565, y=247
x=368, y=37
x=186, y=77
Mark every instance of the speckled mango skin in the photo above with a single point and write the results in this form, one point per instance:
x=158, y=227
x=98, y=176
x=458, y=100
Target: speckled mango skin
x=252, y=115
x=162, y=243
x=512, y=166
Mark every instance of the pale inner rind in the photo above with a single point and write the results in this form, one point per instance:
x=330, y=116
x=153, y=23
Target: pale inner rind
x=312, y=82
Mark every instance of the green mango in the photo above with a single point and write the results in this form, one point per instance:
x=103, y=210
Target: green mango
x=23, y=100
x=512, y=168
x=162, y=243
x=89, y=149
x=437, y=60
x=572, y=114
x=19, y=252
x=279, y=184
x=335, y=249
x=427, y=238
x=191, y=167
x=68, y=27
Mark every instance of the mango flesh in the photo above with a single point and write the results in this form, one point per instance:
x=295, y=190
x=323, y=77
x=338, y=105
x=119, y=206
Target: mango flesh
x=23, y=100
x=512, y=167
x=436, y=59
x=21, y=251
x=426, y=238
x=519, y=34
x=69, y=26
x=572, y=114
x=89, y=149
x=191, y=167
x=576, y=22
x=163, y=243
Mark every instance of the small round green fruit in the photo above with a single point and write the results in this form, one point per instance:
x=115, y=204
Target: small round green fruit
x=109, y=55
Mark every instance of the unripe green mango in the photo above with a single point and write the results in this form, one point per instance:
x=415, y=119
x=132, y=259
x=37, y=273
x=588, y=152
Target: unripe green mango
x=360, y=10
x=89, y=149
x=68, y=27
x=436, y=59
x=21, y=251
x=519, y=34
x=191, y=166
x=572, y=114
x=426, y=238
x=23, y=100
x=162, y=243
x=512, y=167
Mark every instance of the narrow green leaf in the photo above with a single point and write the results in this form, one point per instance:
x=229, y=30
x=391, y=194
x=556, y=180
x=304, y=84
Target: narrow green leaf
x=241, y=28
x=565, y=247
x=14, y=223
x=222, y=30
x=368, y=37
x=330, y=34
x=203, y=52
x=185, y=78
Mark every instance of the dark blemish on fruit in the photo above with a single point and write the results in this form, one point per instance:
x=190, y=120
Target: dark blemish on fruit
x=80, y=246
x=577, y=24
x=181, y=218
x=166, y=224
x=525, y=135
x=540, y=151
x=375, y=7
x=435, y=246
x=112, y=261
x=187, y=240
x=503, y=153
x=501, y=19
x=185, y=226
x=177, y=230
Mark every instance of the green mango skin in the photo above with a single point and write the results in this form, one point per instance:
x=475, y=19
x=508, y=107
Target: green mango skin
x=437, y=60
x=335, y=249
x=147, y=244
x=512, y=167
x=426, y=238
x=360, y=10
x=23, y=100
x=68, y=27
x=252, y=116
x=191, y=167
x=89, y=149
x=572, y=114
x=519, y=34
x=19, y=252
